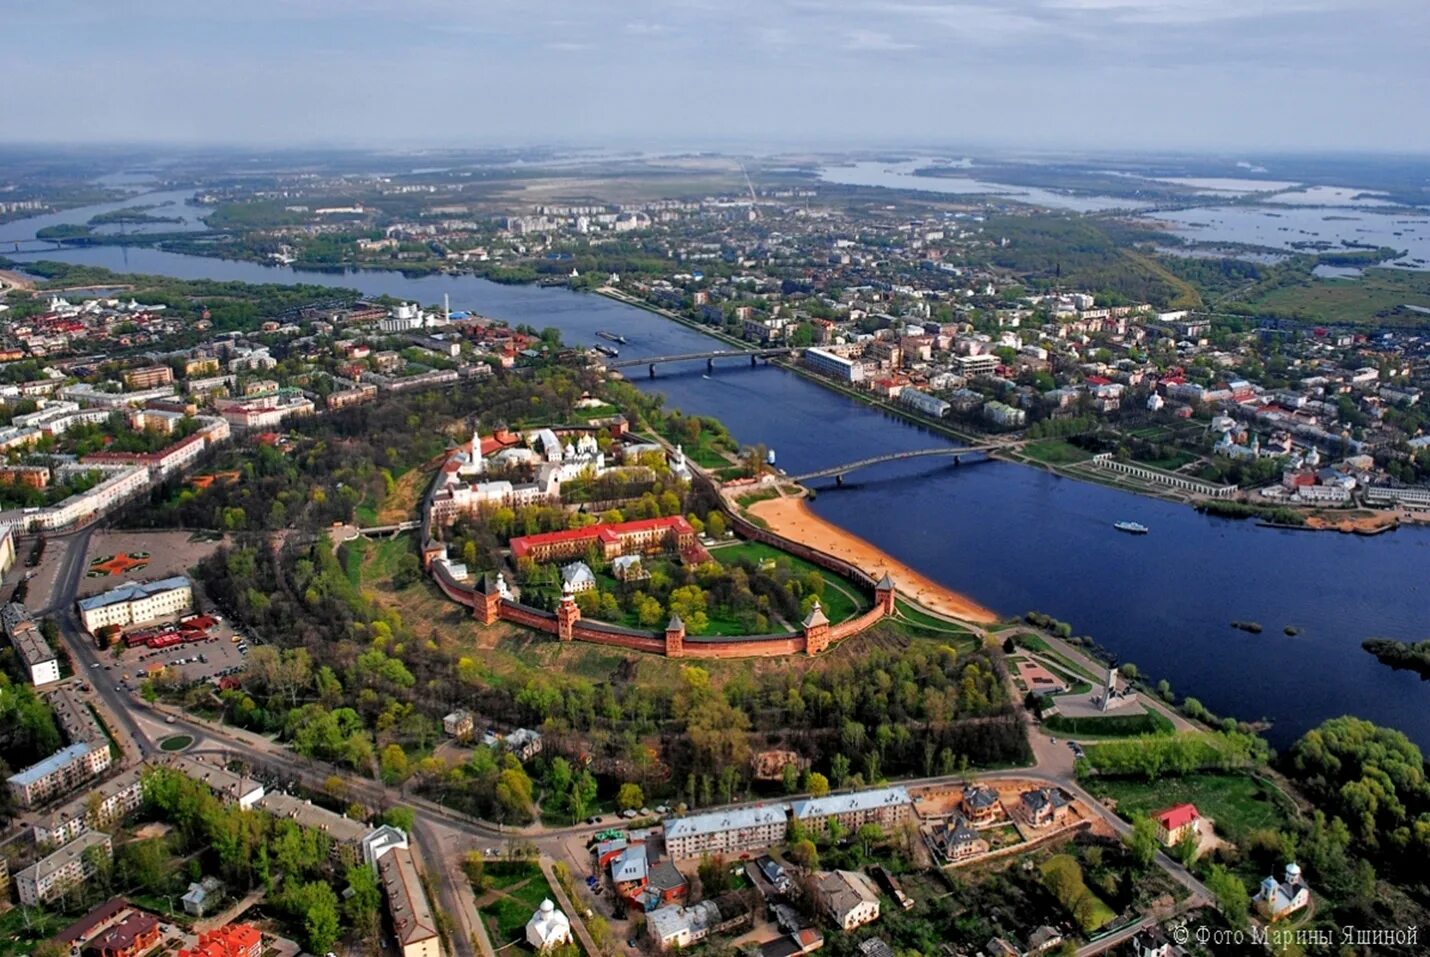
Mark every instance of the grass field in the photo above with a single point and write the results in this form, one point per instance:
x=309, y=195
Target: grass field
x=1237, y=802
x=1378, y=293
x=927, y=622
x=841, y=599
x=18, y=938
x=1055, y=452
x=520, y=888
x=1171, y=463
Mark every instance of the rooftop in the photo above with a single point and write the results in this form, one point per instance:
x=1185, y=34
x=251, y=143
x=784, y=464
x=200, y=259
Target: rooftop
x=717, y=821
x=406, y=901
x=845, y=803
x=68, y=854
x=54, y=762
x=132, y=591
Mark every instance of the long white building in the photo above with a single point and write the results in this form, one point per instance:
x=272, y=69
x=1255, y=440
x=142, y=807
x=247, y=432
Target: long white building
x=136, y=603
x=72, y=864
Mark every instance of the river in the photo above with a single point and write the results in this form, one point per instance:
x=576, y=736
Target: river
x=1012, y=537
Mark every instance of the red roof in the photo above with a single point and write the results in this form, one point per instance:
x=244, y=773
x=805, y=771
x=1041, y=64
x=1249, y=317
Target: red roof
x=1179, y=815
x=235, y=940
x=1098, y=380
x=603, y=533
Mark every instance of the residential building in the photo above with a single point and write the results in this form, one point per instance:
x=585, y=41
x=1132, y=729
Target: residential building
x=1000, y=413
x=133, y=935
x=103, y=804
x=724, y=832
x=232, y=788
x=524, y=743
x=925, y=403
x=548, y=927
x=1042, y=807
x=380, y=841
x=62, y=771
x=833, y=365
x=233, y=940
x=120, y=484
x=148, y=377
x=848, y=898
x=1176, y=822
x=92, y=924
x=136, y=603
x=958, y=842
x=201, y=896
x=72, y=864
x=683, y=926
x=1277, y=899
x=981, y=805
x=969, y=366
x=579, y=576
x=407, y=905
x=39, y=659
x=886, y=807
x=459, y=724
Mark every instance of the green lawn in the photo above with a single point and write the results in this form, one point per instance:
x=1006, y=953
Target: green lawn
x=353, y=554
x=926, y=622
x=17, y=938
x=1031, y=641
x=1055, y=452
x=1171, y=463
x=1239, y=803
x=523, y=887
x=841, y=598
x=1378, y=294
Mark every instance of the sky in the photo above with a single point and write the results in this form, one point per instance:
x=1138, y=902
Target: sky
x=1151, y=75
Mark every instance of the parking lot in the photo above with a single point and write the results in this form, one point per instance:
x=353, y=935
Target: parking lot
x=219, y=654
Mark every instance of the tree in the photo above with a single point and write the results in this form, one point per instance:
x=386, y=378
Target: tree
x=1143, y=841
x=629, y=797
x=817, y=784
x=714, y=875
x=789, y=777
x=402, y=818
x=474, y=866
x=361, y=906
x=868, y=834
x=715, y=525
x=1230, y=893
x=805, y=854
x=1185, y=850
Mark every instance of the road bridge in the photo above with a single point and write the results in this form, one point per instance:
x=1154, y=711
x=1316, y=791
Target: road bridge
x=652, y=361
x=837, y=472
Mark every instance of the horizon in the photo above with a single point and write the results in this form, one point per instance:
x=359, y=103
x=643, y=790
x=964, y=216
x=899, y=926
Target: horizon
x=1183, y=76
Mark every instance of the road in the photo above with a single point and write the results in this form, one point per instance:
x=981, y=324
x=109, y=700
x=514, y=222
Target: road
x=443, y=836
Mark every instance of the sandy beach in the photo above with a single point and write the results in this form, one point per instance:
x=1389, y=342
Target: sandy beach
x=16, y=280
x=793, y=518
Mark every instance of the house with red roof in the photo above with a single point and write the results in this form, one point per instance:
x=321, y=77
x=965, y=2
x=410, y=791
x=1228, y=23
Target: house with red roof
x=645, y=536
x=1176, y=822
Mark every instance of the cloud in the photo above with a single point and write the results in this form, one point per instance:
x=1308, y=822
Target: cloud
x=644, y=28
x=874, y=40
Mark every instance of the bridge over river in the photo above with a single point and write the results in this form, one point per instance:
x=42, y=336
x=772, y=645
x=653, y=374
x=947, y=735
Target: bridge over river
x=837, y=472
x=652, y=361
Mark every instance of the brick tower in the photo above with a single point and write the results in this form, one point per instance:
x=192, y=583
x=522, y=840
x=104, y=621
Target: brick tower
x=816, y=630
x=567, y=614
x=675, y=637
x=884, y=594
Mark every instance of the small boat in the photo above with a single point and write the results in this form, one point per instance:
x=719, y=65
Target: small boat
x=611, y=336
x=1132, y=528
x=608, y=351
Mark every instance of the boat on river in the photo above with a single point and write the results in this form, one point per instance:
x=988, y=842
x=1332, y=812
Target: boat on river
x=613, y=337
x=1132, y=528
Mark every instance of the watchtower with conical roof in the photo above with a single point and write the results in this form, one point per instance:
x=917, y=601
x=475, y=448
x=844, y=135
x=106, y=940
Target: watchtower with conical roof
x=884, y=594
x=816, y=630
x=567, y=614
x=674, y=637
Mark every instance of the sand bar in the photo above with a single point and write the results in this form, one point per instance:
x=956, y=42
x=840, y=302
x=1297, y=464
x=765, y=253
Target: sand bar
x=792, y=518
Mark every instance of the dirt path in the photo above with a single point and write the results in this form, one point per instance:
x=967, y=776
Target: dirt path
x=10, y=279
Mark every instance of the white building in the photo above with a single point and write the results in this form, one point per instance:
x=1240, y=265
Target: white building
x=848, y=898
x=923, y=402
x=72, y=864
x=548, y=927
x=62, y=771
x=381, y=840
x=136, y=603
x=835, y=366
x=725, y=832
x=34, y=651
x=1277, y=899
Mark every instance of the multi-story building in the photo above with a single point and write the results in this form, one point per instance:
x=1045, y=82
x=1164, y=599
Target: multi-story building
x=72, y=864
x=230, y=787
x=7, y=549
x=835, y=366
x=121, y=483
x=969, y=366
x=923, y=402
x=148, y=377
x=233, y=940
x=647, y=535
x=848, y=898
x=62, y=771
x=102, y=805
x=407, y=905
x=1000, y=413
x=725, y=832
x=137, y=602
x=886, y=807
x=35, y=652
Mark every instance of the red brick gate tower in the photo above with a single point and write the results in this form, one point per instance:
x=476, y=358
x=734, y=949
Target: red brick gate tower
x=816, y=630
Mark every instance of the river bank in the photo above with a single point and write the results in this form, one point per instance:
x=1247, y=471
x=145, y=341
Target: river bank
x=10, y=279
x=792, y=518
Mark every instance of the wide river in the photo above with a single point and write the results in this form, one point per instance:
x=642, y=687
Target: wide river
x=1012, y=537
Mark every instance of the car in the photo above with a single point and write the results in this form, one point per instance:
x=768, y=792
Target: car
x=94, y=664
x=169, y=719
